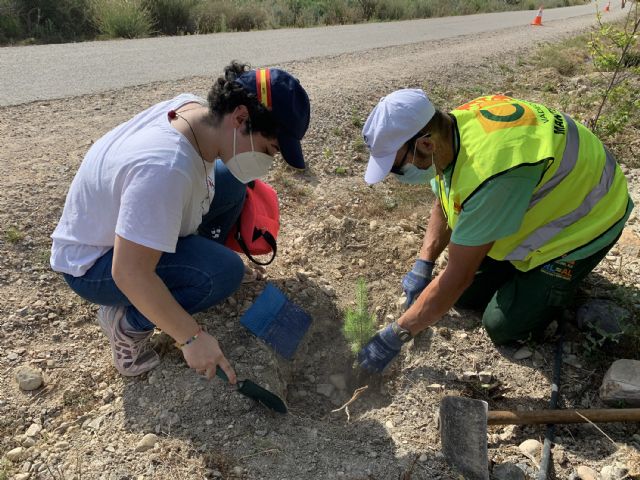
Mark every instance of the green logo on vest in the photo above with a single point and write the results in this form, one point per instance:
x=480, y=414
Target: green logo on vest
x=517, y=115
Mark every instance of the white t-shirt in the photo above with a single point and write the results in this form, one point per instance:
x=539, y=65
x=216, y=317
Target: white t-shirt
x=143, y=181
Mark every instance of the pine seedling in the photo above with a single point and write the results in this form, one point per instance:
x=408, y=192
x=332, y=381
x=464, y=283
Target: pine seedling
x=359, y=324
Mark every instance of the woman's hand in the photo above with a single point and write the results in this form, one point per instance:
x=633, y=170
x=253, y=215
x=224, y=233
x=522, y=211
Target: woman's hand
x=204, y=355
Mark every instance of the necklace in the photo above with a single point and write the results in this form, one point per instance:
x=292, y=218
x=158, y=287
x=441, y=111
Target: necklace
x=172, y=115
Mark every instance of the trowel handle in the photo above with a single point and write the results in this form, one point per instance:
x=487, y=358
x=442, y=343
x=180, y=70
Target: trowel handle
x=602, y=415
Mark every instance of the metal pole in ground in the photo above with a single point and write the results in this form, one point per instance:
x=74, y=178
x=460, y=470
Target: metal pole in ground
x=545, y=460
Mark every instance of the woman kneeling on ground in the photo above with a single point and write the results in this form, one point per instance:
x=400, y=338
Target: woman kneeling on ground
x=145, y=220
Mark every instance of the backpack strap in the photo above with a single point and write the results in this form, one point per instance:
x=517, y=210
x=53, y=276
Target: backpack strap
x=257, y=234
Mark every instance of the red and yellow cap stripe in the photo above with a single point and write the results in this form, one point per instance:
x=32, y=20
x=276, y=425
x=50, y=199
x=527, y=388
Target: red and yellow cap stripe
x=263, y=87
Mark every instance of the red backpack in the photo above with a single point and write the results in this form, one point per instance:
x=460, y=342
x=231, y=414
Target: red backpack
x=257, y=227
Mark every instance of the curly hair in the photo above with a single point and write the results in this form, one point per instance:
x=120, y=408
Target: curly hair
x=226, y=94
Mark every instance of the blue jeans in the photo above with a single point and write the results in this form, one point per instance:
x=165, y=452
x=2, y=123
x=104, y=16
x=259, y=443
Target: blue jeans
x=201, y=273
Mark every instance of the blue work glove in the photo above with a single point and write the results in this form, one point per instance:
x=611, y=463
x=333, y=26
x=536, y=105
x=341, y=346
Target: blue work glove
x=417, y=280
x=380, y=350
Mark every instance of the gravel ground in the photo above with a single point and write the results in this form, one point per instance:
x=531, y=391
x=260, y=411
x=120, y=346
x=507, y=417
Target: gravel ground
x=87, y=422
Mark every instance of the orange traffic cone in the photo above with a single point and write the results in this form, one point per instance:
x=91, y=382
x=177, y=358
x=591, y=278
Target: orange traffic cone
x=538, y=20
x=607, y=7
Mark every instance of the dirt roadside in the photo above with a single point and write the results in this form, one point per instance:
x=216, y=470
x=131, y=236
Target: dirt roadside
x=335, y=229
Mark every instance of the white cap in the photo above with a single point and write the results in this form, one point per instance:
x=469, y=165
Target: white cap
x=396, y=118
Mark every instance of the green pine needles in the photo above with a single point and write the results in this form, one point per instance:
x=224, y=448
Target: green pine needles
x=359, y=325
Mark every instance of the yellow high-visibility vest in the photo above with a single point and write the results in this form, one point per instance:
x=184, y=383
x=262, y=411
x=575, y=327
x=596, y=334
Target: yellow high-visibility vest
x=582, y=192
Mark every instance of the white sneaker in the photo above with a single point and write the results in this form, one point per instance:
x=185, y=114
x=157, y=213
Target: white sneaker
x=132, y=352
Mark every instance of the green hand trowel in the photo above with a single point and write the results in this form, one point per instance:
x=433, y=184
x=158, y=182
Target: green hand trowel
x=256, y=392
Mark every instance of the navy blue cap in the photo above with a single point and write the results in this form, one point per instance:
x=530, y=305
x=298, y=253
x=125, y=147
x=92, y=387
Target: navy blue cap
x=284, y=96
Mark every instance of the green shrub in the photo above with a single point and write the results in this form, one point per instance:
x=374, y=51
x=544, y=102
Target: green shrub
x=172, y=17
x=122, y=18
x=391, y=9
x=247, y=18
x=212, y=16
x=55, y=20
x=10, y=28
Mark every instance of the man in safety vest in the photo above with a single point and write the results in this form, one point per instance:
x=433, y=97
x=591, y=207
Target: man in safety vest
x=528, y=202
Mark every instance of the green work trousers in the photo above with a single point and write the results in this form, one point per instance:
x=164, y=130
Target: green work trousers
x=520, y=305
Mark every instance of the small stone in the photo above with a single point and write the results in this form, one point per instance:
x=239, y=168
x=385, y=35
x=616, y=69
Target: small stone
x=13, y=356
x=601, y=316
x=15, y=455
x=22, y=476
x=621, y=383
x=401, y=301
x=28, y=378
x=148, y=442
x=373, y=224
x=339, y=381
x=423, y=458
x=325, y=389
x=373, y=454
x=237, y=471
x=485, y=376
x=522, y=353
x=33, y=430
x=28, y=442
x=469, y=376
x=530, y=447
x=586, y=473
x=389, y=424
x=572, y=360
x=508, y=471
x=614, y=472
x=361, y=262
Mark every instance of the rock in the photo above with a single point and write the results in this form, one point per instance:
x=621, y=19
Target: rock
x=629, y=243
x=522, y=353
x=508, y=471
x=33, y=430
x=237, y=471
x=469, y=376
x=485, y=376
x=22, y=476
x=28, y=378
x=586, y=473
x=530, y=447
x=423, y=458
x=325, y=389
x=148, y=442
x=601, y=316
x=373, y=224
x=339, y=381
x=572, y=360
x=401, y=301
x=614, y=472
x=621, y=383
x=15, y=455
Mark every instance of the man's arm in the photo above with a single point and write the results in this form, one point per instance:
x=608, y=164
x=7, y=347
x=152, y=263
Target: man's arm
x=134, y=272
x=443, y=292
x=437, y=235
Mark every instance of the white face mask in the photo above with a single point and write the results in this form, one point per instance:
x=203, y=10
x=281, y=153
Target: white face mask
x=248, y=166
x=412, y=175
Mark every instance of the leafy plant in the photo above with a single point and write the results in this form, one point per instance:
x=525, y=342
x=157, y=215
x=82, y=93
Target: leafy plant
x=359, y=324
x=611, y=47
x=122, y=18
x=13, y=235
x=171, y=16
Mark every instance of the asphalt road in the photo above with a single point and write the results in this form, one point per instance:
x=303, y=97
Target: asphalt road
x=54, y=71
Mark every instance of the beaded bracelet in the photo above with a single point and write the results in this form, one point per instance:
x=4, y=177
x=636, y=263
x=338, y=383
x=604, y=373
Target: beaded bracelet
x=189, y=341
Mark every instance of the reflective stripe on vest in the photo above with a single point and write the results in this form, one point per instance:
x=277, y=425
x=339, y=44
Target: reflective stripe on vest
x=569, y=160
x=546, y=232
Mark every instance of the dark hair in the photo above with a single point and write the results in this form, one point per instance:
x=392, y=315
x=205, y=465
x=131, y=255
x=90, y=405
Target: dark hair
x=226, y=94
x=438, y=124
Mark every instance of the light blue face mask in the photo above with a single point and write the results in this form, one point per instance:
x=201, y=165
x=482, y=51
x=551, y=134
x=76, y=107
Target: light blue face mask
x=412, y=175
